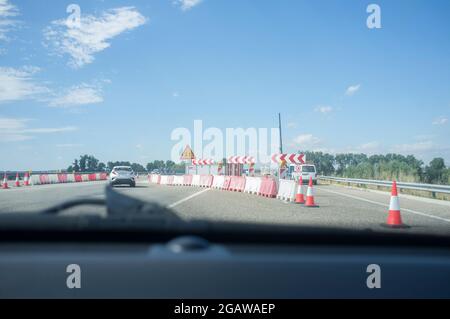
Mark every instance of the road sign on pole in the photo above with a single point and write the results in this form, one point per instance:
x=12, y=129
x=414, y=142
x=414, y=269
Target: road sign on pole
x=289, y=158
x=187, y=154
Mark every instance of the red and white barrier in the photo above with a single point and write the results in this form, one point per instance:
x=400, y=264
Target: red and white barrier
x=166, y=180
x=237, y=184
x=195, y=180
x=269, y=187
x=155, y=179
x=187, y=180
x=206, y=180
x=218, y=182
x=178, y=180
x=63, y=178
x=226, y=183
x=287, y=190
x=252, y=185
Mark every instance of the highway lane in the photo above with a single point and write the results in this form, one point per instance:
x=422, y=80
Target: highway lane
x=339, y=206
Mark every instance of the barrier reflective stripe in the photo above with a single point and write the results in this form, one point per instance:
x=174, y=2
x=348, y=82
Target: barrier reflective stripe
x=92, y=177
x=85, y=177
x=78, y=178
x=195, y=180
x=287, y=190
x=218, y=181
x=187, y=180
x=178, y=180
x=237, y=184
x=252, y=185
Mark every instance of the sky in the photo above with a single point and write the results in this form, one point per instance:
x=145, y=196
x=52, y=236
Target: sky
x=117, y=81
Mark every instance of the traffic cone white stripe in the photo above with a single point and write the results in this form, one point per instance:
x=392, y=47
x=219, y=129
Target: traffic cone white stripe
x=394, y=205
x=310, y=192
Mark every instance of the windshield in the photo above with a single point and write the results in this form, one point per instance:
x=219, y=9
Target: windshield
x=218, y=107
x=308, y=169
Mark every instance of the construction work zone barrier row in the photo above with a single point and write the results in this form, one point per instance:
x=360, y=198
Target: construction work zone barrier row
x=47, y=179
x=263, y=186
x=283, y=189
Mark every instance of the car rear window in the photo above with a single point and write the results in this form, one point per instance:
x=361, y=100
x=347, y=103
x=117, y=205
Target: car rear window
x=308, y=169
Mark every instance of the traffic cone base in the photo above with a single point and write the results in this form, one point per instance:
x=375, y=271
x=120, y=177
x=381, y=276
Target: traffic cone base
x=299, y=199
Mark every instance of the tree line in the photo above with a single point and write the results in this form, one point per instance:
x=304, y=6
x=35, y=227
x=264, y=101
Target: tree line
x=381, y=167
x=88, y=163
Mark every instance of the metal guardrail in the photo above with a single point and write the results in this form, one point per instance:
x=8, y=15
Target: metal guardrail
x=445, y=189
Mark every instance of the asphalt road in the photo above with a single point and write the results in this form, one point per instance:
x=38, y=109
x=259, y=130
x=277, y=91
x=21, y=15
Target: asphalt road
x=338, y=206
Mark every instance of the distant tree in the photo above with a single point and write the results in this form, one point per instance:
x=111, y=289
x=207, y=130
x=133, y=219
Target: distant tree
x=137, y=167
x=436, y=171
x=101, y=167
x=76, y=166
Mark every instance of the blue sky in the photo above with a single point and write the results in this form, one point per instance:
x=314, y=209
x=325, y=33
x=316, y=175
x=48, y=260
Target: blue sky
x=139, y=69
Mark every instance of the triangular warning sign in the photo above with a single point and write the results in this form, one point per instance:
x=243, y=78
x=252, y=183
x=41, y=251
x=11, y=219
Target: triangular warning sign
x=187, y=154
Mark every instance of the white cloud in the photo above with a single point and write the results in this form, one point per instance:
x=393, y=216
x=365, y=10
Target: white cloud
x=351, y=90
x=442, y=120
x=175, y=95
x=291, y=125
x=187, y=4
x=83, y=94
x=14, y=130
x=368, y=148
x=324, y=109
x=7, y=13
x=18, y=84
x=306, y=141
x=419, y=147
x=93, y=34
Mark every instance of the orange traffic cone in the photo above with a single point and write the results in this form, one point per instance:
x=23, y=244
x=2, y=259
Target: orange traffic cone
x=17, y=183
x=394, y=218
x=300, y=198
x=26, y=180
x=310, y=195
x=5, y=182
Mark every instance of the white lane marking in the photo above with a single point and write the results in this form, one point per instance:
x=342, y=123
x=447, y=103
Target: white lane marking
x=384, y=205
x=188, y=198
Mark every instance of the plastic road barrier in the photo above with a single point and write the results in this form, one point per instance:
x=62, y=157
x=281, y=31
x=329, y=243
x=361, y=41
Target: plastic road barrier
x=252, y=185
x=287, y=190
